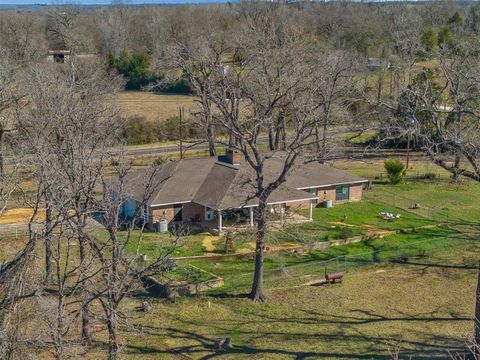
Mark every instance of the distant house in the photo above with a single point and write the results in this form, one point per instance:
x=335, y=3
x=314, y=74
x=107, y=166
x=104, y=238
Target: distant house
x=63, y=56
x=377, y=64
x=211, y=191
x=58, y=56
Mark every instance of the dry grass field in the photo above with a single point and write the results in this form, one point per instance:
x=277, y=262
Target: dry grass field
x=19, y=216
x=153, y=106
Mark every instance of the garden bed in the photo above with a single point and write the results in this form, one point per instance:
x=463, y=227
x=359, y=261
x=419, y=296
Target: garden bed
x=183, y=281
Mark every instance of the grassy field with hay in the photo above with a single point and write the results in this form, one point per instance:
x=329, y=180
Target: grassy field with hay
x=153, y=106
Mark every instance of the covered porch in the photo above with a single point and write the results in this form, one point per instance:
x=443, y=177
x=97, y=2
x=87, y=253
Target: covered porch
x=245, y=217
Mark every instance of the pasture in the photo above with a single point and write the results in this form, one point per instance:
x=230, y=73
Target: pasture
x=154, y=107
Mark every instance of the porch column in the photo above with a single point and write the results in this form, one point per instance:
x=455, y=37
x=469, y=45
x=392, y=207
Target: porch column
x=282, y=215
x=310, y=210
x=219, y=221
x=251, y=216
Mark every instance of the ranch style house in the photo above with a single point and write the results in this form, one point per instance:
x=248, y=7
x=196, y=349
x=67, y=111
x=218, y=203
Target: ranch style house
x=216, y=192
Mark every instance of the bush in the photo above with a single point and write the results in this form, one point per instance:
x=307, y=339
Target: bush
x=177, y=86
x=138, y=130
x=135, y=67
x=395, y=171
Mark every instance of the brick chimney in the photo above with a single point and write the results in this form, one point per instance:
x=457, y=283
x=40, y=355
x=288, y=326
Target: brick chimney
x=234, y=157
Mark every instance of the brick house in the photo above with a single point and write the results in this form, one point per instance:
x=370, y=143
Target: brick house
x=213, y=191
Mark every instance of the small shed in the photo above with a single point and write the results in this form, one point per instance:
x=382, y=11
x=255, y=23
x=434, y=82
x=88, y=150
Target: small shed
x=58, y=56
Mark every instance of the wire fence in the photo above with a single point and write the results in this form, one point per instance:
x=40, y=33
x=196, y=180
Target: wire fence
x=409, y=204
x=17, y=230
x=316, y=269
x=416, y=176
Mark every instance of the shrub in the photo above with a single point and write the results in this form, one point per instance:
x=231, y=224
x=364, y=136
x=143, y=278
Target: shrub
x=135, y=68
x=139, y=131
x=345, y=233
x=177, y=86
x=395, y=171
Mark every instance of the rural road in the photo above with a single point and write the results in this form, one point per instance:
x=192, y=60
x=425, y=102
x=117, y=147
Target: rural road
x=349, y=152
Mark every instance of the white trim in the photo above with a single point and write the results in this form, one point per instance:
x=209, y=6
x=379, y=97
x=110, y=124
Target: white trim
x=276, y=202
x=342, y=183
x=220, y=221
x=171, y=203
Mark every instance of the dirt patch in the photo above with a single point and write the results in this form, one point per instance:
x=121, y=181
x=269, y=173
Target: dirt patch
x=277, y=247
x=342, y=224
x=374, y=231
x=207, y=243
x=20, y=216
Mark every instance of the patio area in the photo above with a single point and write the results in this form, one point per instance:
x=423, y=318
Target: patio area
x=244, y=219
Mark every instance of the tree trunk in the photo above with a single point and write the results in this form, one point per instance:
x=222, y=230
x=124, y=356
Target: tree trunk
x=86, y=338
x=456, y=166
x=280, y=132
x=325, y=135
x=210, y=132
x=2, y=161
x=271, y=138
x=477, y=319
x=113, y=347
x=257, y=287
x=48, y=244
x=211, y=140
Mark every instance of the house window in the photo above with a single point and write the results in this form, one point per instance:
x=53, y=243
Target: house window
x=208, y=214
x=342, y=192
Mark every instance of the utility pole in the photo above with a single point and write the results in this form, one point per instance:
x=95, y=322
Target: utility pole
x=180, y=109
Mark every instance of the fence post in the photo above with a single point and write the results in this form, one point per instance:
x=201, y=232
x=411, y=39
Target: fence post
x=336, y=261
x=345, y=263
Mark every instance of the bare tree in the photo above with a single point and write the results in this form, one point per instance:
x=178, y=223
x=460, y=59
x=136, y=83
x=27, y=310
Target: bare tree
x=199, y=61
x=251, y=97
x=71, y=125
x=334, y=89
x=22, y=37
x=121, y=268
x=9, y=96
x=440, y=111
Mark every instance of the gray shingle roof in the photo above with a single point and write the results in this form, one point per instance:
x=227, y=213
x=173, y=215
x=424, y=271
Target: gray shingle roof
x=218, y=185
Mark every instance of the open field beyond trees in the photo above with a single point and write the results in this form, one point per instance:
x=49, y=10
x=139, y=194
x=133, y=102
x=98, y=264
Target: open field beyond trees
x=153, y=106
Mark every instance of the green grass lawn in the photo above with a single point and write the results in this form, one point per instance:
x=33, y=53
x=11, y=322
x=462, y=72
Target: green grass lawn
x=413, y=289
x=453, y=202
x=237, y=273
x=340, y=222
x=424, y=306
x=155, y=244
